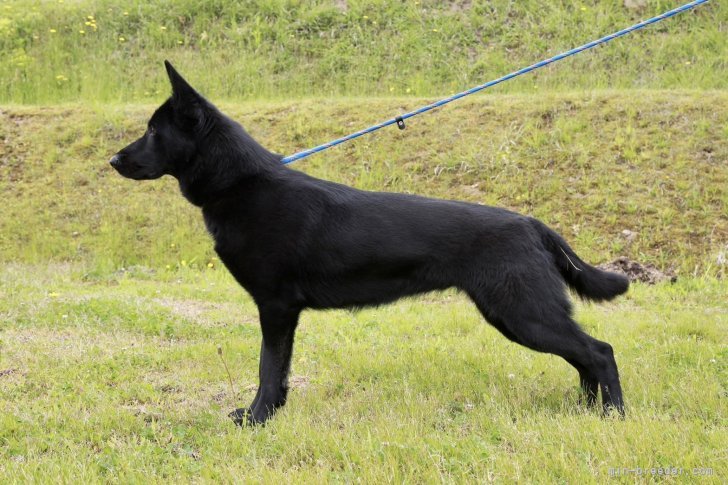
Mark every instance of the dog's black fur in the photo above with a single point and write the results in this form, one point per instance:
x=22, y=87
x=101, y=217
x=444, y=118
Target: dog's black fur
x=296, y=242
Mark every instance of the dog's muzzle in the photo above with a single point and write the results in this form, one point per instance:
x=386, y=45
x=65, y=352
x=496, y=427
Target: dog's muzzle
x=115, y=161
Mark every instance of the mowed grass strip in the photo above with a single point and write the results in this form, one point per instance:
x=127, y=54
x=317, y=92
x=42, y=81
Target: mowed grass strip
x=119, y=379
x=591, y=165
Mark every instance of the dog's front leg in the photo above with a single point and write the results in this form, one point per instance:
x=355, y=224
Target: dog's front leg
x=278, y=323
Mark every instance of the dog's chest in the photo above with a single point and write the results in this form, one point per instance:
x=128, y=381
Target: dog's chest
x=229, y=235
x=235, y=244
x=213, y=227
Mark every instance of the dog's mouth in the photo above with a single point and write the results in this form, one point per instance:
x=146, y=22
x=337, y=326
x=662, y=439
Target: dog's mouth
x=132, y=170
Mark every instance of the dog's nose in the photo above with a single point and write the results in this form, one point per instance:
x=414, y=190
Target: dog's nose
x=115, y=161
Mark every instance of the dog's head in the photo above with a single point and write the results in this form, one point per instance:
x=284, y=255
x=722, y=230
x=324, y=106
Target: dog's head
x=169, y=144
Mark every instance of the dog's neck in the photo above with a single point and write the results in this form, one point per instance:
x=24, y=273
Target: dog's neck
x=228, y=171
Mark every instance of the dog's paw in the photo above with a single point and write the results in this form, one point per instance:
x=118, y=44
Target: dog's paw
x=613, y=411
x=242, y=416
x=585, y=400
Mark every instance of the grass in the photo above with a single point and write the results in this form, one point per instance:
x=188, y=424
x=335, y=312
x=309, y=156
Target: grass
x=112, y=303
x=103, y=51
x=117, y=377
x=589, y=164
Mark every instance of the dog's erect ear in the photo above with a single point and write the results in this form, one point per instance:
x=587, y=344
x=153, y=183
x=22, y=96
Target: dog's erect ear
x=180, y=88
x=185, y=100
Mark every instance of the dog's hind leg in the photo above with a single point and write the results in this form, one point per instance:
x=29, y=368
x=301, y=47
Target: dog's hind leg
x=593, y=359
x=588, y=383
x=608, y=376
x=278, y=324
x=545, y=325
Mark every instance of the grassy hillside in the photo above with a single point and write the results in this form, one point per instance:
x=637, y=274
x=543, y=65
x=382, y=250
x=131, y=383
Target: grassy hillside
x=102, y=50
x=591, y=165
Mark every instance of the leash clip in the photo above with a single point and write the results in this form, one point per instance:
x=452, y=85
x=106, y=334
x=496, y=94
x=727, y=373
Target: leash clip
x=400, y=122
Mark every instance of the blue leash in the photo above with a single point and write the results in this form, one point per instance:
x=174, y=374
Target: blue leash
x=399, y=120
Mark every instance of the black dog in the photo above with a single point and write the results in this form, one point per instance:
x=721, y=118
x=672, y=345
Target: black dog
x=295, y=242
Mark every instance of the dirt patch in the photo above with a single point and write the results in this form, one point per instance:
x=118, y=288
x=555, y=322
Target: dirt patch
x=460, y=6
x=205, y=313
x=299, y=382
x=635, y=4
x=644, y=273
x=7, y=372
x=342, y=5
x=187, y=309
x=147, y=414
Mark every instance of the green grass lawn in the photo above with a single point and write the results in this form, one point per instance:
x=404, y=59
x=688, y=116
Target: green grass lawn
x=118, y=378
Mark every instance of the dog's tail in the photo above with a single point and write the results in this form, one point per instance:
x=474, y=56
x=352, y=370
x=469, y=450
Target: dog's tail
x=589, y=282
